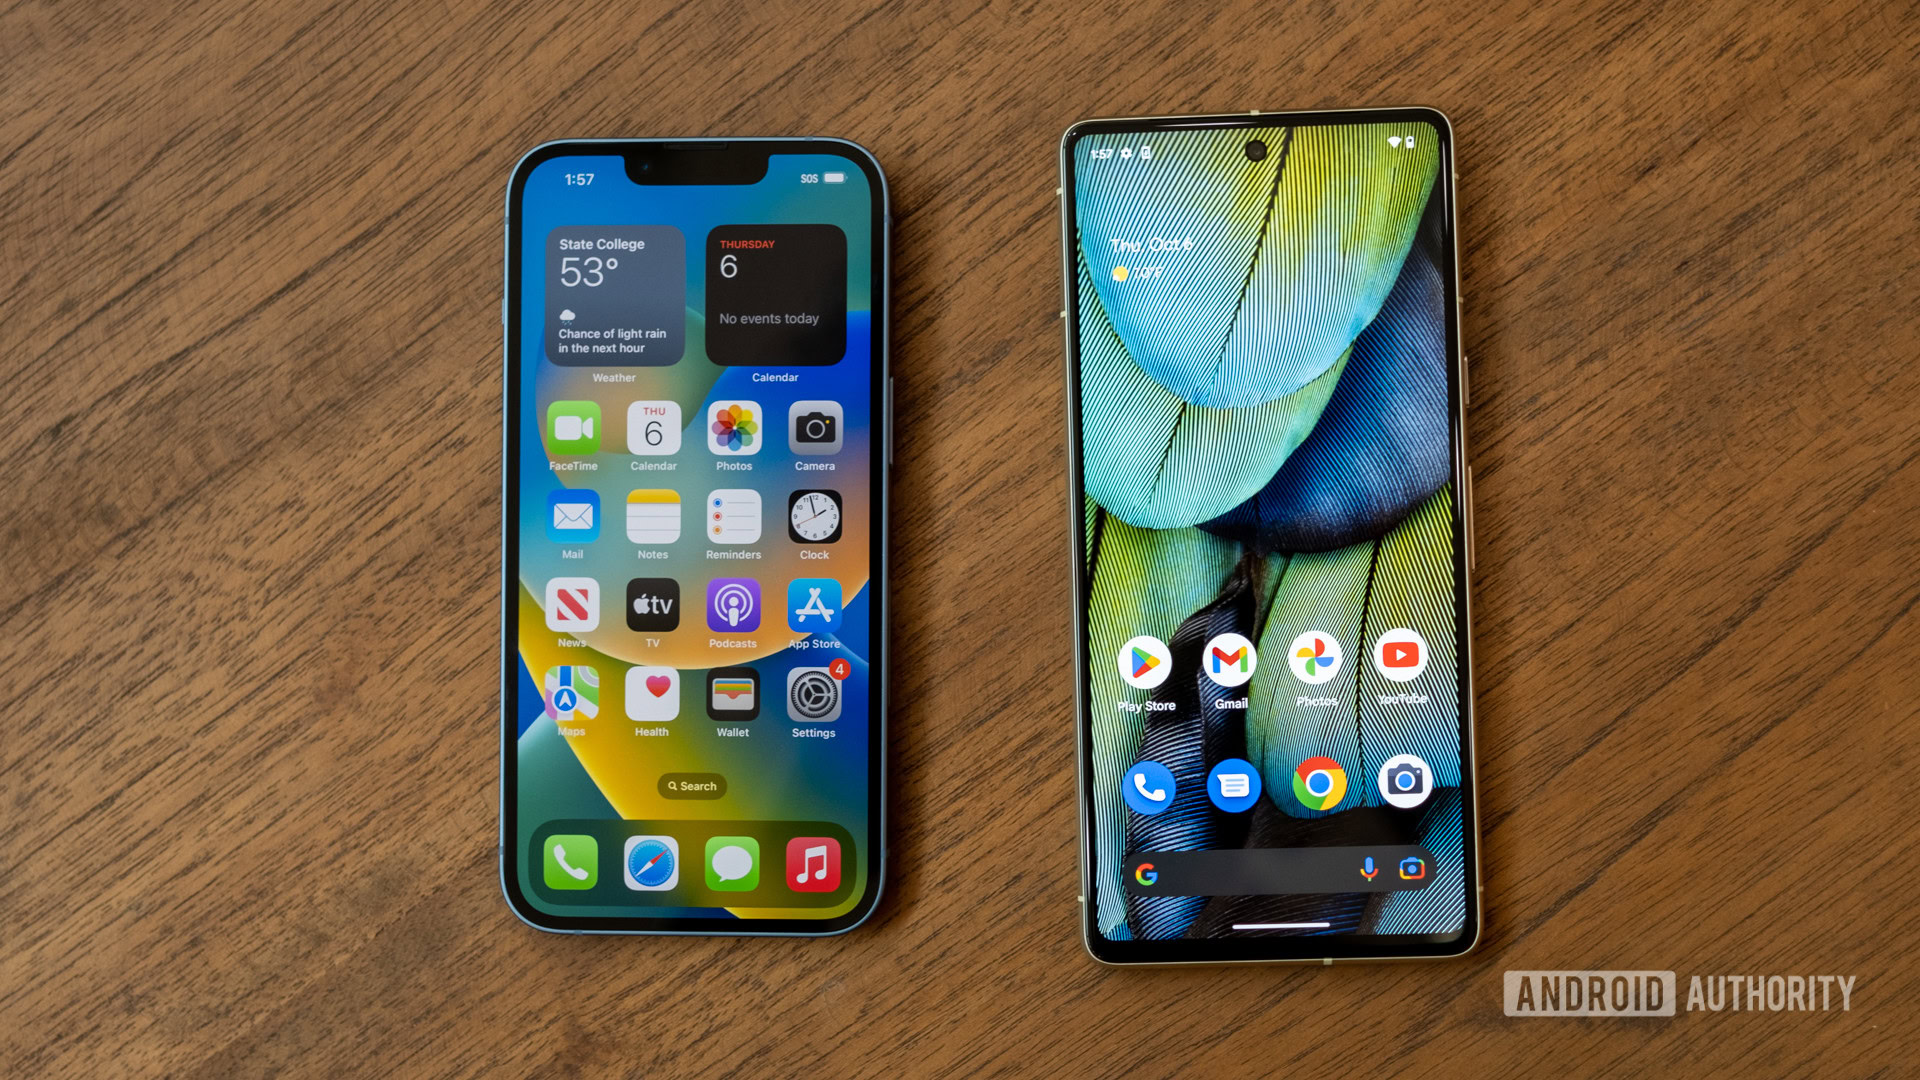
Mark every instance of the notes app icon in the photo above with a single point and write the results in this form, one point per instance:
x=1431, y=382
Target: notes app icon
x=813, y=864
x=653, y=516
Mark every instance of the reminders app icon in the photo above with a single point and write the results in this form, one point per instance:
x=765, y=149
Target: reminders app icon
x=733, y=516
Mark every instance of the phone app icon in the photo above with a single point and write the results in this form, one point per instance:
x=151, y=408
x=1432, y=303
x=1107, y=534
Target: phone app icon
x=1314, y=657
x=1145, y=662
x=1229, y=660
x=733, y=693
x=572, y=692
x=1400, y=655
x=733, y=605
x=653, y=605
x=734, y=428
x=813, y=864
x=651, y=863
x=653, y=427
x=1234, y=786
x=653, y=694
x=573, y=516
x=1319, y=783
x=813, y=517
x=570, y=861
x=653, y=516
x=733, y=864
x=1406, y=781
x=814, y=427
x=1148, y=787
x=573, y=604
x=813, y=695
x=733, y=516
x=813, y=606
x=573, y=427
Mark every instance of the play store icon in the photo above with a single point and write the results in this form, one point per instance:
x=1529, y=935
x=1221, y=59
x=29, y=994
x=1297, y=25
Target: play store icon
x=1145, y=662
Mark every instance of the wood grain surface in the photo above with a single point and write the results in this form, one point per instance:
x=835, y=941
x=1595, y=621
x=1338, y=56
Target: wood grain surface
x=250, y=273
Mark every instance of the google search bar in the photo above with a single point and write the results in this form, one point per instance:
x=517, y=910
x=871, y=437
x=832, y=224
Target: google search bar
x=1280, y=871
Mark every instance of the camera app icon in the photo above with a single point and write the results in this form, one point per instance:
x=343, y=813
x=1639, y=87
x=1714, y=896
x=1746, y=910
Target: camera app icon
x=1406, y=781
x=814, y=427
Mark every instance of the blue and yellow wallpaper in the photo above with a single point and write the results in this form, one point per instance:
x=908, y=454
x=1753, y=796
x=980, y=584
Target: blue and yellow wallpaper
x=599, y=764
x=1266, y=451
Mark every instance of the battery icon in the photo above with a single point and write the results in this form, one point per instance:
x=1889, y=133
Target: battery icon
x=834, y=177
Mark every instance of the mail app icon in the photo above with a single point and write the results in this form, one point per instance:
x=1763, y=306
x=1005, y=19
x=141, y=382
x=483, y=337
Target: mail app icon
x=573, y=516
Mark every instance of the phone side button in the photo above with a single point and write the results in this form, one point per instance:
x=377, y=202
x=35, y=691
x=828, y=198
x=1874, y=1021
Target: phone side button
x=890, y=436
x=1472, y=546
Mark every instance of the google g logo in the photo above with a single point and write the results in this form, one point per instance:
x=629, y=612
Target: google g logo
x=1144, y=874
x=1319, y=783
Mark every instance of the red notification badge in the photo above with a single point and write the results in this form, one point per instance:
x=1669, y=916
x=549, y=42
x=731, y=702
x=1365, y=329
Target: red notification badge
x=840, y=669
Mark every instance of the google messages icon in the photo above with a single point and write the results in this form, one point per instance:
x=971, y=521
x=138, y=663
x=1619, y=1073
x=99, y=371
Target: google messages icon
x=1145, y=662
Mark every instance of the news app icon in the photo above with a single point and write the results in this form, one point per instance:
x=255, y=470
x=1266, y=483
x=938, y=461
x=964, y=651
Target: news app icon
x=1400, y=655
x=573, y=604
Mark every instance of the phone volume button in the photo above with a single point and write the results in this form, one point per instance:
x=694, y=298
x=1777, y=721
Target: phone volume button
x=890, y=436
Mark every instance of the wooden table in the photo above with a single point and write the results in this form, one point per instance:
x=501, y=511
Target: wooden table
x=249, y=289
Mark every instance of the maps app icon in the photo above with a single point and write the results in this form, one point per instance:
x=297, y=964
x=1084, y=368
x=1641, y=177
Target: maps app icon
x=572, y=693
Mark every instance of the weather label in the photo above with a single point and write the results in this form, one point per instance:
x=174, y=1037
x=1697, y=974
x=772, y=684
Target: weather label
x=777, y=294
x=616, y=295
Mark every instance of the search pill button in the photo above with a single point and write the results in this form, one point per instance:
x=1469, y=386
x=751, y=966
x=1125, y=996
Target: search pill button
x=692, y=785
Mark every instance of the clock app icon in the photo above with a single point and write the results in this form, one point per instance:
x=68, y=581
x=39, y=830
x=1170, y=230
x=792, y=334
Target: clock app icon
x=813, y=517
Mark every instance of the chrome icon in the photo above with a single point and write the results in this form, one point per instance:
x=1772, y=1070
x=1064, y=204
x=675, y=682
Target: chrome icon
x=1319, y=783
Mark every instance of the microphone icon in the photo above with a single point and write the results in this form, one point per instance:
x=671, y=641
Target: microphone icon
x=1367, y=869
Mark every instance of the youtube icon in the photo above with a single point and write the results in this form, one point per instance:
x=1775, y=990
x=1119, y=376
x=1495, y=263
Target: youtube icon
x=1400, y=655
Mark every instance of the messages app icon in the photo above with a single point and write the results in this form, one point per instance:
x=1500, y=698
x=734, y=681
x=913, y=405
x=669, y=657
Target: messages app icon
x=733, y=864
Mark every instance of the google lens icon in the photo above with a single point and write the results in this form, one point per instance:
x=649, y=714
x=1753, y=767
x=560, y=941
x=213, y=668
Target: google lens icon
x=1319, y=783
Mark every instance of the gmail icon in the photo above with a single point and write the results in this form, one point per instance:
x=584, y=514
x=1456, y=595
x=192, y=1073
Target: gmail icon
x=573, y=604
x=573, y=516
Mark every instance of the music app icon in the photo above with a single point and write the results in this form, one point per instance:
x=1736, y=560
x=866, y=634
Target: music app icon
x=813, y=864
